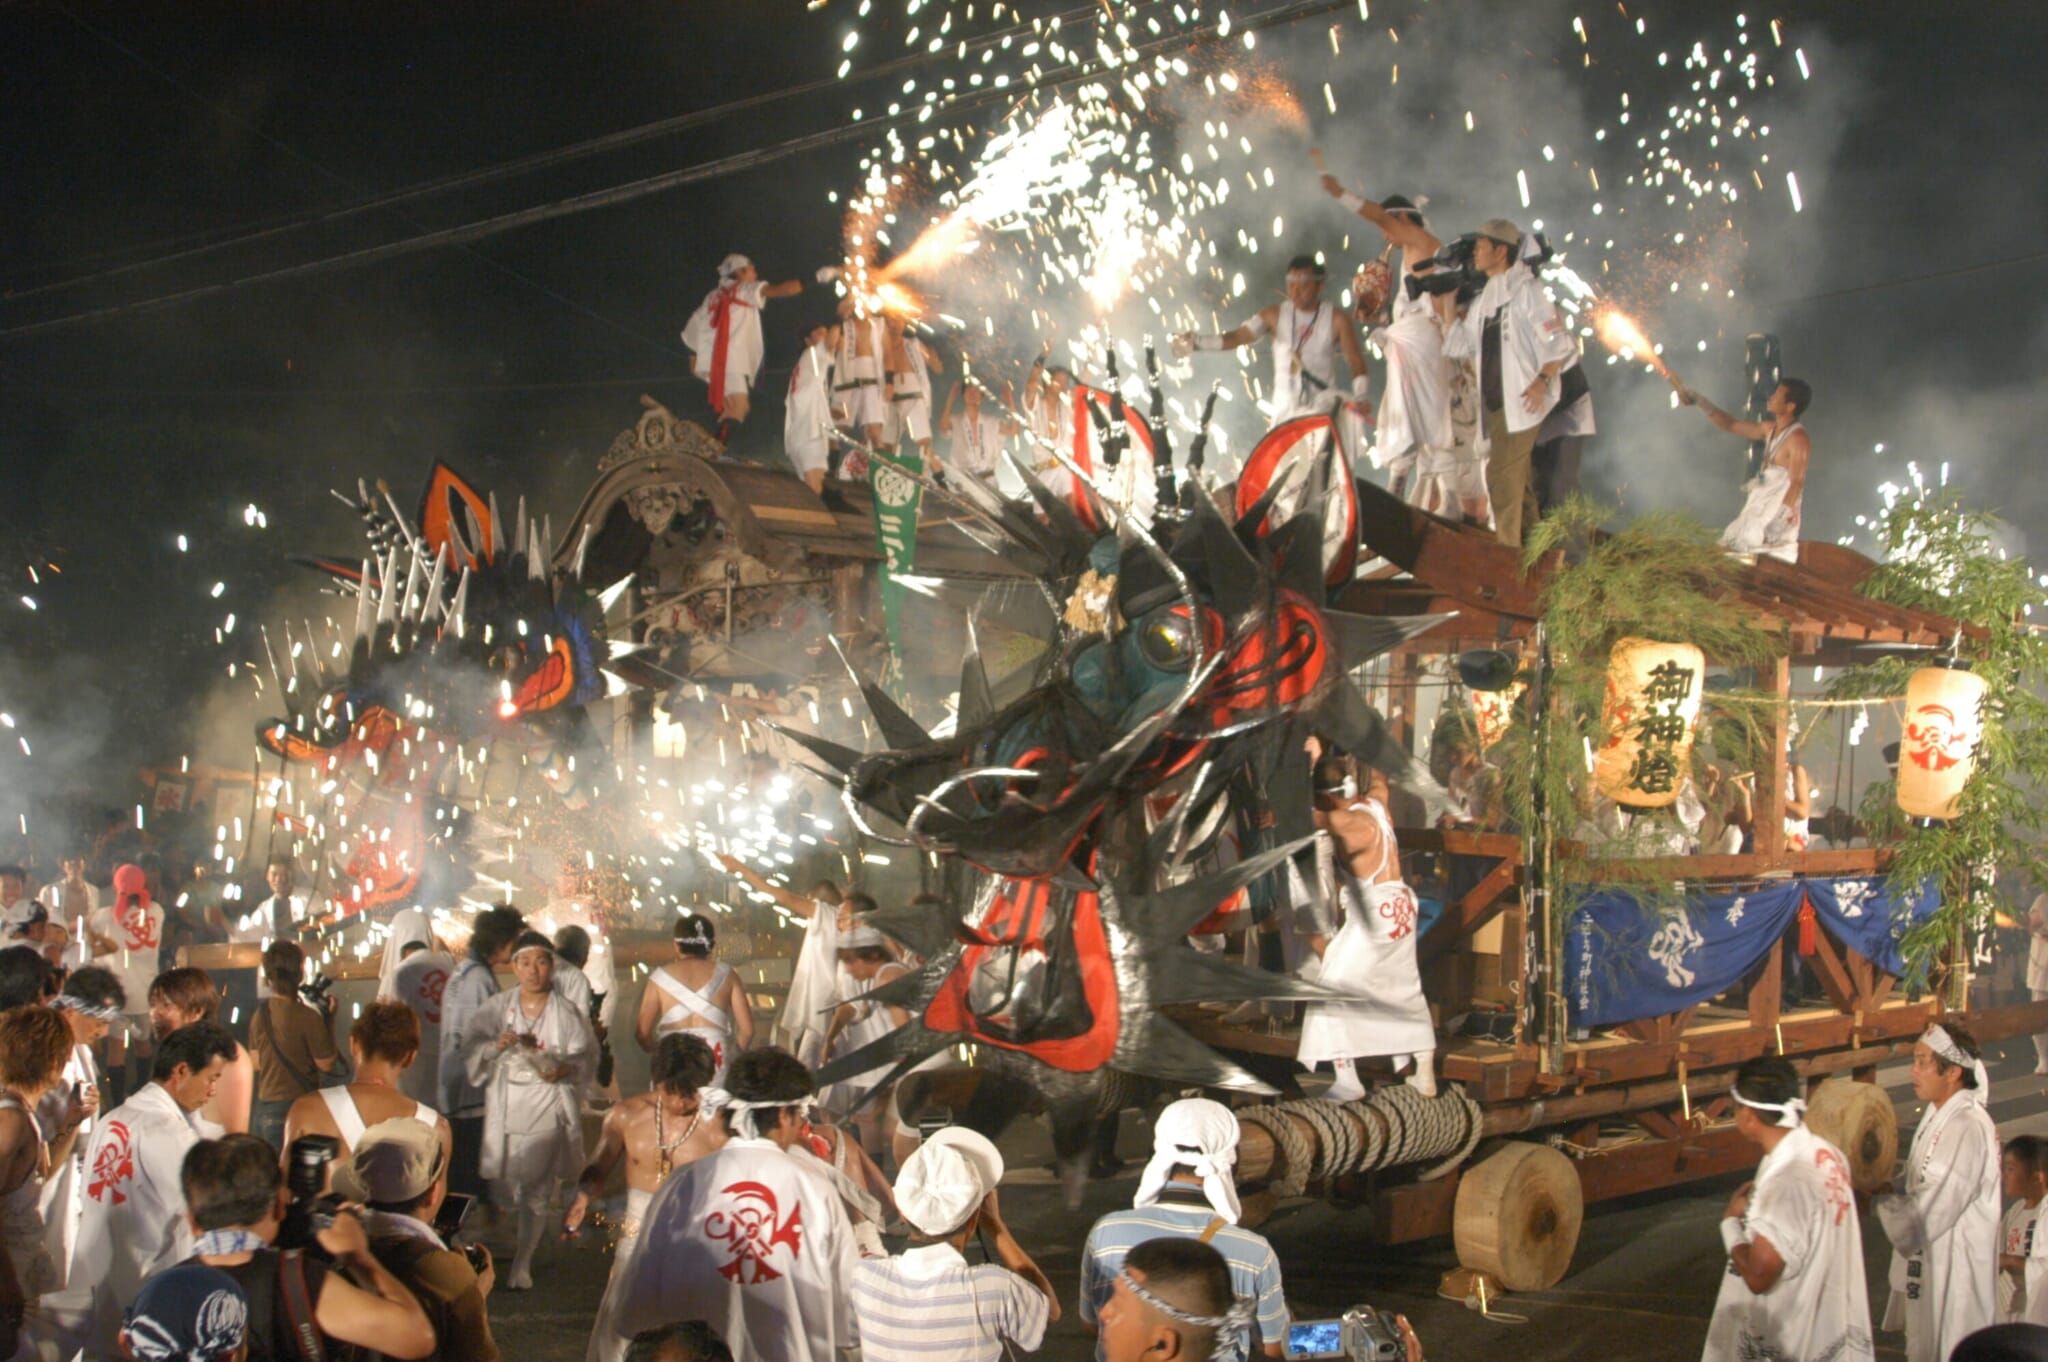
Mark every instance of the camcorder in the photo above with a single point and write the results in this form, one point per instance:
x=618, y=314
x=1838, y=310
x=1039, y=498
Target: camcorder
x=1451, y=269
x=1362, y=1335
x=318, y=993
x=310, y=1209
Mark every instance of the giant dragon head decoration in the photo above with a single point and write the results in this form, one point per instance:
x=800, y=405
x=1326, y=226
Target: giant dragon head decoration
x=466, y=642
x=1082, y=823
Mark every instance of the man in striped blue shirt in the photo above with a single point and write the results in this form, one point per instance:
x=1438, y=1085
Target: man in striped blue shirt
x=1188, y=1192
x=926, y=1302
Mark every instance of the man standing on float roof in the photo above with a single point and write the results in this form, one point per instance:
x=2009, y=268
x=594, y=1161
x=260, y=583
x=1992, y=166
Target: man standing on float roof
x=1307, y=332
x=724, y=335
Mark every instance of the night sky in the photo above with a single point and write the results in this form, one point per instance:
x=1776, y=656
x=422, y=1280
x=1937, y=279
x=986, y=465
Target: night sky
x=1908, y=290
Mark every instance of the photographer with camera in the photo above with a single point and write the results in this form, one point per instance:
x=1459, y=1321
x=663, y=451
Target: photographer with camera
x=292, y=1042
x=301, y=1302
x=134, y=1218
x=1520, y=344
x=400, y=1175
x=383, y=1041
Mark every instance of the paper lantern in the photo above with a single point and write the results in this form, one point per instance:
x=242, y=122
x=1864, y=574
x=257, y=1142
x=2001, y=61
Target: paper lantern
x=1493, y=712
x=1647, y=722
x=1938, y=749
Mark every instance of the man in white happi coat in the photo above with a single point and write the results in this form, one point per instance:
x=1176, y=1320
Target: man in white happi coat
x=750, y=1239
x=807, y=418
x=91, y=1004
x=814, y=980
x=1794, y=1285
x=1768, y=523
x=277, y=917
x=134, y=1219
x=416, y=971
x=534, y=1054
x=724, y=334
x=1308, y=331
x=1372, y=956
x=1944, y=1225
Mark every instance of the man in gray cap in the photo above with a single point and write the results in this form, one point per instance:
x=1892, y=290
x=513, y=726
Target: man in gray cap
x=927, y=1302
x=397, y=1172
x=1519, y=342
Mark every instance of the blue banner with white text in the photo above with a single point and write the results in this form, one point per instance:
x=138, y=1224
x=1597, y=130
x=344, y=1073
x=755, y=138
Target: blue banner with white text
x=1625, y=961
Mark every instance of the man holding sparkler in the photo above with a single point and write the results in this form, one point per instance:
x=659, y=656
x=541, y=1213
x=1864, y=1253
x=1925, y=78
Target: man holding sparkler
x=1415, y=410
x=1307, y=332
x=1768, y=523
x=724, y=334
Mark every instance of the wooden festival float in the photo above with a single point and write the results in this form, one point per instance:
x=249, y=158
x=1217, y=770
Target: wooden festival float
x=1558, y=1117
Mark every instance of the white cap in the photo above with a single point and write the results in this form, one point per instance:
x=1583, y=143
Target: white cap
x=732, y=265
x=945, y=1178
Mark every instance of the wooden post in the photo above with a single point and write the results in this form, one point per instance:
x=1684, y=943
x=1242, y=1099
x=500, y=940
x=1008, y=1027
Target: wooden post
x=1770, y=799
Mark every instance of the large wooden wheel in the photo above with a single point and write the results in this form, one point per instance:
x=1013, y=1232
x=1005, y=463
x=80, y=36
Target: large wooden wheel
x=1858, y=1119
x=1518, y=1214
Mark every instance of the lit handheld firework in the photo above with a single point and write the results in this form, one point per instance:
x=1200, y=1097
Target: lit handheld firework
x=1620, y=333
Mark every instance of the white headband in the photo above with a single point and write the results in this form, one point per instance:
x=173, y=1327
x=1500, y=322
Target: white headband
x=64, y=1002
x=533, y=946
x=1945, y=1048
x=732, y=265
x=1789, y=1113
x=741, y=1114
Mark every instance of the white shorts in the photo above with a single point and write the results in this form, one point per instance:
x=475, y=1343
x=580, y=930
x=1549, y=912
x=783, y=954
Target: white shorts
x=808, y=454
x=911, y=415
x=858, y=393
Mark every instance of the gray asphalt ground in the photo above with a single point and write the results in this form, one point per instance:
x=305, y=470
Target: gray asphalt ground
x=1641, y=1287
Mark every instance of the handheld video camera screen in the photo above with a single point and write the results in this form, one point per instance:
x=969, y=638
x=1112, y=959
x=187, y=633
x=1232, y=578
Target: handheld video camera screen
x=1320, y=1338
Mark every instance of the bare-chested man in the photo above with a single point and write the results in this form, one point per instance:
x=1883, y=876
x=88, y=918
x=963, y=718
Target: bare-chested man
x=858, y=381
x=655, y=1133
x=1768, y=523
x=1373, y=952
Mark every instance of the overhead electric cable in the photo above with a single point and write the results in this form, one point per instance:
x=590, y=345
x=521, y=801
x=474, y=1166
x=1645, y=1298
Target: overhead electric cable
x=652, y=184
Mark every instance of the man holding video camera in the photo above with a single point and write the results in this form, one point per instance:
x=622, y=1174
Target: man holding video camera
x=299, y=1301
x=1519, y=341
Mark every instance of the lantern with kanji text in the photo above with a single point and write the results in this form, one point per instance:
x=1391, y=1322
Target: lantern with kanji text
x=1647, y=721
x=1938, y=745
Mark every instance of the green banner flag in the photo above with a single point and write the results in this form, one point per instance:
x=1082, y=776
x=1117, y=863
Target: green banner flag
x=892, y=478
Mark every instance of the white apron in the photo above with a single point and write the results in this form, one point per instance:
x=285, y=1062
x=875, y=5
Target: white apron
x=533, y=1129
x=1372, y=955
x=64, y=1191
x=813, y=987
x=755, y=1243
x=1768, y=523
x=607, y=1344
x=1415, y=406
x=1304, y=361
x=1818, y=1308
x=1944, y=1231
x=693, y=1011
x=134, y=1220
x=807, y=416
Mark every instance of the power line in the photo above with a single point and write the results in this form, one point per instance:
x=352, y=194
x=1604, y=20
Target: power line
x=546, y=291
x=652, y=184
x=543, y=160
